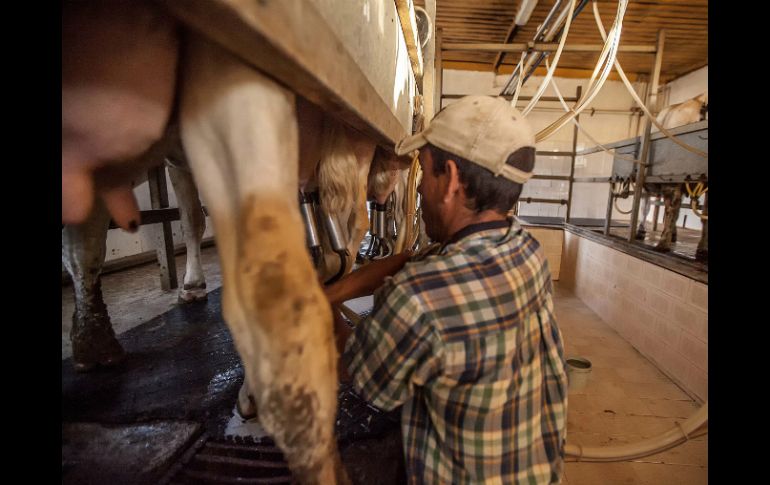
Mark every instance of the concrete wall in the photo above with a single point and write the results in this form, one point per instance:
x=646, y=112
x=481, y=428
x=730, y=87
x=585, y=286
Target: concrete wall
x=552, y=241
x=664, y=315
x=686, y=87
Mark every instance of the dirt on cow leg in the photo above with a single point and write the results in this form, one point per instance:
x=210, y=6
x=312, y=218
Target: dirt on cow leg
x=92, y=336
x=672, y=197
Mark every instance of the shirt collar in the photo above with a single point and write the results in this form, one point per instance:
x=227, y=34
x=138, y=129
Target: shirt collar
x=475, y=228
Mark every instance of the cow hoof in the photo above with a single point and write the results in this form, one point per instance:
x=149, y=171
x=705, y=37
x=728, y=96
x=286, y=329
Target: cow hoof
x=107, y=353
x=640, y=235
x=662, y=249
x=702, y=254
x=189, y=294
x=245, y=404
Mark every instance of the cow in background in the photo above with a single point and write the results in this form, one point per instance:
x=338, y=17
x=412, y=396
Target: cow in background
x=690, y=111
x=83, y=252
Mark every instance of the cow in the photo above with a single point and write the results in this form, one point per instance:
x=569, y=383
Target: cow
x=690, y=111
x=240, y=131
x=83, y=251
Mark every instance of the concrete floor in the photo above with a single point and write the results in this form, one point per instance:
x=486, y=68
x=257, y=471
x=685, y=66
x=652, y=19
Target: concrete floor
x=626, y=398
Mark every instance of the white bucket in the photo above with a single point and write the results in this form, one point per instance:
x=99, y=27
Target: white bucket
x=578, y=370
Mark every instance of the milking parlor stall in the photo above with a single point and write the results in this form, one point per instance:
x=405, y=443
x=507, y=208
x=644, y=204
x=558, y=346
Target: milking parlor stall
x=225, y=161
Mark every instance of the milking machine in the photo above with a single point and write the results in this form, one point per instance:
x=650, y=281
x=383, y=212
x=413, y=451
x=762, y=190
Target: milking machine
x=309, y=204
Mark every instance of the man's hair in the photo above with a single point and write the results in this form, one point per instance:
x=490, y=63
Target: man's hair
x=483, y=190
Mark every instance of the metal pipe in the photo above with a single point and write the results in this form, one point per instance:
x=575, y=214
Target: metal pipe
x=645, y=158
x=578, y=93
x=553, y=34
x=379, y=220
x=519, y=20
x=308, y=217
x=532, y=66
x=514, y=79
x=334, y=232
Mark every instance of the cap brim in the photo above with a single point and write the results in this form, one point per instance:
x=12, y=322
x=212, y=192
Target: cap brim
x=410, y=144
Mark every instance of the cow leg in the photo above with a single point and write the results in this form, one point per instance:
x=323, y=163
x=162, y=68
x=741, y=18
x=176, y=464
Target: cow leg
x=672, y=197
x=83, y=251
x=193, y=226
x=703, y=245
x=239, y=130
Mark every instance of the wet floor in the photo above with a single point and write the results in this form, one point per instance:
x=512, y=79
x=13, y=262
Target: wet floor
x=182, y=371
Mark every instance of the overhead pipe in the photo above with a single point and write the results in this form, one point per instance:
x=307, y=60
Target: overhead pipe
x=533, y=63
x=537, y=36
x=519, y=20
x=549, y=74
x=606, y=59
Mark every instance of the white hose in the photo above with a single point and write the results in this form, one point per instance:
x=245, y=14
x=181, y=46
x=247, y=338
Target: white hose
x=639, y=101
x=583, y=131
x=515, y=98
x=673, y=437
x=556, y=57
x=618, y=208
x=606, y=59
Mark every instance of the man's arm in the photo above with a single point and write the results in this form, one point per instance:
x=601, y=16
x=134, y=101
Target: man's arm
x=366, y=279
x=341, y=333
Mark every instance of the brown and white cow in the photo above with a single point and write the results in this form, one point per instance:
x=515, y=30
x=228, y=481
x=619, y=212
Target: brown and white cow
x=241, y=133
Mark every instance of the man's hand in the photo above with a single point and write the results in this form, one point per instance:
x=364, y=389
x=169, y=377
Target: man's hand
x=366, y=279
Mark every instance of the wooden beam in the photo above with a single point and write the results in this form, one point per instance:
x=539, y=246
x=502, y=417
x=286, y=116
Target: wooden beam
x=164, y=241
x=546, y=47
x=540, y=71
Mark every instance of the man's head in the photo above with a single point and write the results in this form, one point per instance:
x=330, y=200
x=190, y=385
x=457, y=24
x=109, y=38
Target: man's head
x=476, y=155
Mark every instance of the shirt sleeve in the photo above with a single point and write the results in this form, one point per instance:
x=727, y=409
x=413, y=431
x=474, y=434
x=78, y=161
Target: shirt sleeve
x=393, y=350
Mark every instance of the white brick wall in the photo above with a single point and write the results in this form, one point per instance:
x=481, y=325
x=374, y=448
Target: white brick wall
x=662, y=314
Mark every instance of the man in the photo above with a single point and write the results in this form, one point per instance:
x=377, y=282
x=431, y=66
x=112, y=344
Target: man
x=464, y=338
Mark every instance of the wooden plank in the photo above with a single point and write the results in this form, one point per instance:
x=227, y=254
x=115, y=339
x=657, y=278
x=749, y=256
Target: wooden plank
x=164, y=241
x=312, y=62
x=547, y=47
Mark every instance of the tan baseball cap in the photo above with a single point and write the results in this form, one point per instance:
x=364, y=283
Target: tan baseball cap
x=483, y=129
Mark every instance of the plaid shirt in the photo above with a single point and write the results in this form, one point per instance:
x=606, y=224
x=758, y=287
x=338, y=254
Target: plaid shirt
x=467, y=342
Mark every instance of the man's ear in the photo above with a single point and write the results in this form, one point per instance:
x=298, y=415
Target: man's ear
x=453, y=183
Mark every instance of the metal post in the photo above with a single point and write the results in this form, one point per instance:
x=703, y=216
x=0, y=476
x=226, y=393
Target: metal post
x=429, y=69
x=652, y=106
x=164, y=241
x=608, y=216
x=439, y=87
x=655, y=213
x=578, y=93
